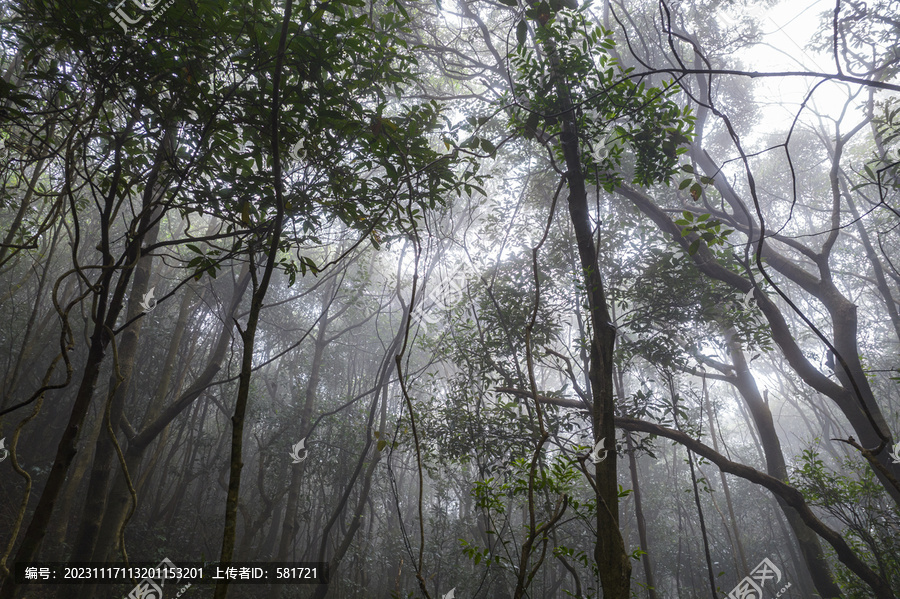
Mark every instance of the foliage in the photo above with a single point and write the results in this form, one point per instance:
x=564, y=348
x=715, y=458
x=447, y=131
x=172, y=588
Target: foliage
x=858, y=501
x=628, y=131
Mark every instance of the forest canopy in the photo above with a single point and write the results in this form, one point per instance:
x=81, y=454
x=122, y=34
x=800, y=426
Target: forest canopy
x=458, y=299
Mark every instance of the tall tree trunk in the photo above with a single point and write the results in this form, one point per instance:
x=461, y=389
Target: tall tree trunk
x=291, y=524
x=609, y=550
x=240, y=409
x=248, y=336
x=108, y=304
x=813, y=554
x=119, y=384
x=703, y=534
x=60, y=525
x=613, y=562
x=806, y=583
x=641, y=522
x=157, y=420
x=65, y=453
x=726, y=489
x=381, y=389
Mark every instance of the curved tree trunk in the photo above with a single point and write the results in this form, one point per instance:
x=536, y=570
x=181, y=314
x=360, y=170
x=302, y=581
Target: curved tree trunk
x=109, y=295
x=813, y=555
x=861, y=411
x=119, y=383
x=157, y=419
x=789, y=494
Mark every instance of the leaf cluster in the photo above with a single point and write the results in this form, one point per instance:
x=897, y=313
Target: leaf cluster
x=628, y=130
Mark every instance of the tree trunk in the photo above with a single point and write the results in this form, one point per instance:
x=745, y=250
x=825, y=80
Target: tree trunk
x=641, y=522
x=157, y=420
x=789, y=494
x=861, y=409
x=248, y=335
x=609, y=550
x=119, y=384
x=107, y=308
x=381, y=388
x=813, y=554
x=290, y=525
x=60, y=527
x=613, y=562
x=240, y=409
x=726, y=489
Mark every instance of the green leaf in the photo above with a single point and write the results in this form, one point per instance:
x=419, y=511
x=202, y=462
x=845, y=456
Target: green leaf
x=684, y=184
x=488, y=146
x=521, y=32
x=696, y=190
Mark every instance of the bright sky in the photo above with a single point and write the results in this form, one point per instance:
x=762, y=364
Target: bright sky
x=788, y=28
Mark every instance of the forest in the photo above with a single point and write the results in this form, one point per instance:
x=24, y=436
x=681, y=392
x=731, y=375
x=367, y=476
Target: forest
x=449, y=299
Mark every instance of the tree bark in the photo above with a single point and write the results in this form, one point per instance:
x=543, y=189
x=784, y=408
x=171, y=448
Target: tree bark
x=789, y=494
x=861, y=411
x=609, y=550
x=641, y=522
x=813, y=555
x=119, y=383
x=248, y=335
x=291, y=525
x=108, y=304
